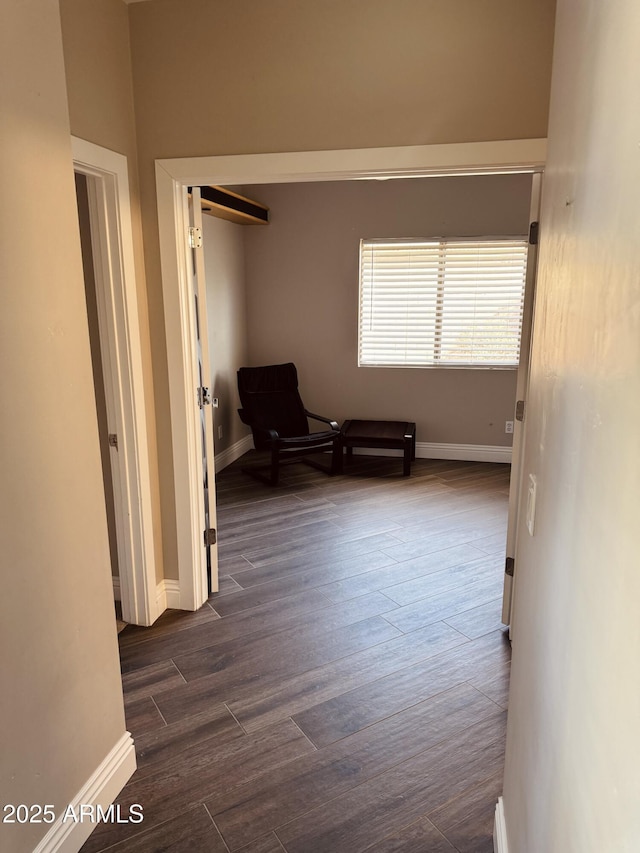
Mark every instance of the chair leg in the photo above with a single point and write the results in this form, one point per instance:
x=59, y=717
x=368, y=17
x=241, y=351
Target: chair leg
x=275, y=466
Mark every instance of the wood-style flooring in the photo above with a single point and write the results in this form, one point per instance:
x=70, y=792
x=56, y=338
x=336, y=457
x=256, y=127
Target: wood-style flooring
x=346, y=689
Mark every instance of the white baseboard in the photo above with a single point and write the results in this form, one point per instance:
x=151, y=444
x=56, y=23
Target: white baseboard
x=168, y=595
x=500, y=844
x=463, y=452
x=424, y=450
x=226, y=457
x=101, y=789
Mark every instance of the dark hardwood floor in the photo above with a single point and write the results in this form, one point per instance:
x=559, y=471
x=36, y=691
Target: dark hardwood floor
x=346, y=688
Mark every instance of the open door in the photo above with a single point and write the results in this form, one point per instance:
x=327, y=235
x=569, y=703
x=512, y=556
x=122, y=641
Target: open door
x=522, y=389
x=203, y=394
x=100, y=339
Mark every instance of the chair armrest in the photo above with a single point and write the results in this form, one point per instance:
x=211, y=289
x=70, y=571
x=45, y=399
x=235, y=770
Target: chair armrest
x=331, y=423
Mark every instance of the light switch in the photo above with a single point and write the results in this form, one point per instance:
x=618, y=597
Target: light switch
x=531, y=503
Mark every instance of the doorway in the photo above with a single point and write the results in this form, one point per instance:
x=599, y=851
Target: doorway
x=102, y=176
x=172, y=179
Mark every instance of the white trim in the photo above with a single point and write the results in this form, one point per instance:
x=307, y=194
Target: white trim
x=500, y=842
x=441, y=450
x=172, y=593
x=510, y=155
x=112, y=236
x=172, y=178
x=464, y=452
x=102, y=788
x=168, y=595
x=182, y=368
x=226, y=457
x=424, y=450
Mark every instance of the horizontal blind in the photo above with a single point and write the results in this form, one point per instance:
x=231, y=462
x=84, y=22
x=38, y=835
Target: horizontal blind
x=441, y=302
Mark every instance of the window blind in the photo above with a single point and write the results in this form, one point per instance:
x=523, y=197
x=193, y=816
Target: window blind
x=441, y=302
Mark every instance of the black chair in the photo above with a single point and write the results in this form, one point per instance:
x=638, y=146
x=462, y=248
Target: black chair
x=272, y=407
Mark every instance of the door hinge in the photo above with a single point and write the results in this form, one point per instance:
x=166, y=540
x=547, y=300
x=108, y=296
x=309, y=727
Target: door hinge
x=520, y=411
x=534, y=229
x=210, y=537
x=204, y=397
x=113, y=440
x=195, y=237
x=509, y=566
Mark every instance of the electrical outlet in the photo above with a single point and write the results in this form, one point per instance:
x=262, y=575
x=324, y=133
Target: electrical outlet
x=220, y=431
x=508, y=427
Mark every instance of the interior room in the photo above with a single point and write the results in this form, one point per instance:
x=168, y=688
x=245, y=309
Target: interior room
x=152, y=96
x=299, y=274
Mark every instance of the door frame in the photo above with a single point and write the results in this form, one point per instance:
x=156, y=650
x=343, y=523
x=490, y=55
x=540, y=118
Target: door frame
x=116, y=292
x=173, y=176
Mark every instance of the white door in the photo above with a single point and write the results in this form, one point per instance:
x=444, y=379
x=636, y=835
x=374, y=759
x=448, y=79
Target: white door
x=203, y=395
x=100, y=337
x=522, y=389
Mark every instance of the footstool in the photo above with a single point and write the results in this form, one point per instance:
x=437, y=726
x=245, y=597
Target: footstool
x=394, y=435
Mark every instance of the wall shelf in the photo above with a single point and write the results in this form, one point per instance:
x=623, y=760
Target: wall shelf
x=226, y=204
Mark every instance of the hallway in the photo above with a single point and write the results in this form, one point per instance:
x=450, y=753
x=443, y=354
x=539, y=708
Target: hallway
x=346, y=688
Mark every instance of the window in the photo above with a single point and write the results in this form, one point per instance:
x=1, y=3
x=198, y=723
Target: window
x=442, y=303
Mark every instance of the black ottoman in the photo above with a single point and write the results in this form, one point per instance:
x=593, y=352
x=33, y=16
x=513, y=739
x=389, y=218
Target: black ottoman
x=394, y=435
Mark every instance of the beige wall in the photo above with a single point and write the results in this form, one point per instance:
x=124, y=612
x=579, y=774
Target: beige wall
x=302, y=291
x=97, y=57
x=231, y=76
x=224, y=262
x=61, y=698
x=572, y=783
